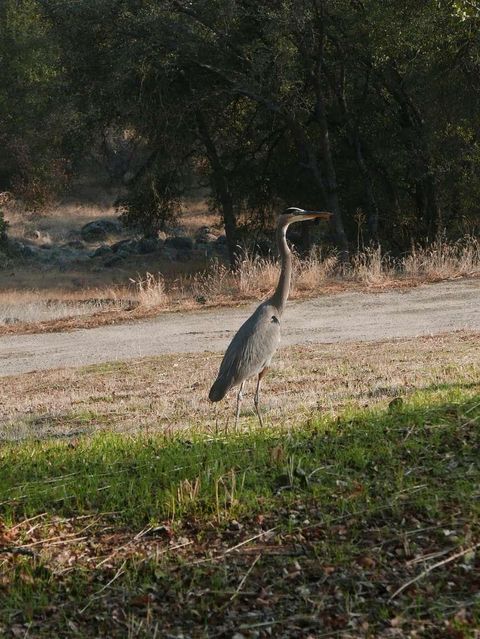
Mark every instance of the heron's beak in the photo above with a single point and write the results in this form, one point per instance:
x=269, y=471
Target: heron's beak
x=317, y=215
x=294, y=214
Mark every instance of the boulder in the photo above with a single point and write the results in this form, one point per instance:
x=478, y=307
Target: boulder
x=101, y=251
x=99, y=230
x=176, y=231
x=116, y=259
x=127, y=246
x=204, y=235
x=76, y=244
x=148, y=245
x=170, y=254
x=25, y=250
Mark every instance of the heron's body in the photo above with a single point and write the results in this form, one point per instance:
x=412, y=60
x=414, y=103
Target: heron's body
x=251, y=350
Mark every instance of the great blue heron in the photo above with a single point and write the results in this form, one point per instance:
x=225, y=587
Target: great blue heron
x=255, y=343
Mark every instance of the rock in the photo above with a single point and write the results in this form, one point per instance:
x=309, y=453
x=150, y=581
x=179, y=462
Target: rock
x=33, y=235
x=76, y=244
x=127, y=246
x=99, y=230
x=220, y=245
x=179, y=243
x=25, y=250
x=116, y=259
x=148, y=245
x=170, y=254
x=101, y=251
x=162, y=235
x=204, y=235
x=177, y=231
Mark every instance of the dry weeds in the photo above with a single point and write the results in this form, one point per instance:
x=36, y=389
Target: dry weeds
x=146, y=295
x=48, y=300
x=166, y=393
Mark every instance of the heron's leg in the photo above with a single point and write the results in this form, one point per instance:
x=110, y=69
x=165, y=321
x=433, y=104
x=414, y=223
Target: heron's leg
x=257, y=394
x=239, y=399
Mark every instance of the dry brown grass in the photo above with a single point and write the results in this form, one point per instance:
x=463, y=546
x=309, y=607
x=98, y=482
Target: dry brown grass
x=44, y=299
x=157, y=291
x=371, y=269
x=61, y=221
x=150, y=291
x=29, y=307
x=443, y=260
x=169, y=392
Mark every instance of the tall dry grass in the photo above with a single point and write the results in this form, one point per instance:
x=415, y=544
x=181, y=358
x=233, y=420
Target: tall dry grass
x=30, y=306
x=443, y=260
x=372, y=267
x=257, y=276
x=255, y=279
x=150, y=290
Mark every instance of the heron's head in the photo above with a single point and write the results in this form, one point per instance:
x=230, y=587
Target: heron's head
x=294, y=214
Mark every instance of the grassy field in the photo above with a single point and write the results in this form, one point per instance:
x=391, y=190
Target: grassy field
x=129, y=508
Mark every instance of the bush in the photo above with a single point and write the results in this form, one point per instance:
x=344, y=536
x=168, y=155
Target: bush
x=150, y=204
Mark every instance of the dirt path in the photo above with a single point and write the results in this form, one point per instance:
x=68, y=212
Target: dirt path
x=430, y=309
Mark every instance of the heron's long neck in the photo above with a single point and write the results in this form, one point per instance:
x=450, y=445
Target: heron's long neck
x=279, y=298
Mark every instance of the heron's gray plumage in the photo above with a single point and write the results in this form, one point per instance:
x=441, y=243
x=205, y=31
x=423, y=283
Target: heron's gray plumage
x=250, y=351
x=255, y=343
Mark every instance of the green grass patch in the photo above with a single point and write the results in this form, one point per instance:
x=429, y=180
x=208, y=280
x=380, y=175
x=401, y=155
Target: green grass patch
x=345, y=510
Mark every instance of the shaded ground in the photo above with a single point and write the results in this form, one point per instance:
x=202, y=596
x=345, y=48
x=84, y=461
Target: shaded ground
x=362, y=526
x=425, y=310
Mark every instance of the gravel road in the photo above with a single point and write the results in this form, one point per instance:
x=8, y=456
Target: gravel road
x=424, y=310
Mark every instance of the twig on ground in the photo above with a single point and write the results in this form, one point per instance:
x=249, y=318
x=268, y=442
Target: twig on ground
x=245, y=577
x=26, y=521
x=119, y=572
x=229, y=550
x=305, y=620
x=433, y=567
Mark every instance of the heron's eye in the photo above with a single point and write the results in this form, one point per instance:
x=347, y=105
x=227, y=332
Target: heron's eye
x=275, y=320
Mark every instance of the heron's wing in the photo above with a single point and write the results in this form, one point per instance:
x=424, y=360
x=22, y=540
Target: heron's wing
x=252, y=348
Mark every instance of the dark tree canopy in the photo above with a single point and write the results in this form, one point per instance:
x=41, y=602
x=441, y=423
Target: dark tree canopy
x=367, y=109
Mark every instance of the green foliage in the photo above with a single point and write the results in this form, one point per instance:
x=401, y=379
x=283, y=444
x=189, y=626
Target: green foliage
x=368, y=109
x=151, y=203
x=141, y=478
x=34, y=112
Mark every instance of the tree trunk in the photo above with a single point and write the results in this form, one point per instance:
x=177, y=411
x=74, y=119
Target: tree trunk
x=331, y=187
x=307, y=157
x=354, y=140
x=222, y=190
x=372, y=207
x=429, y=216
